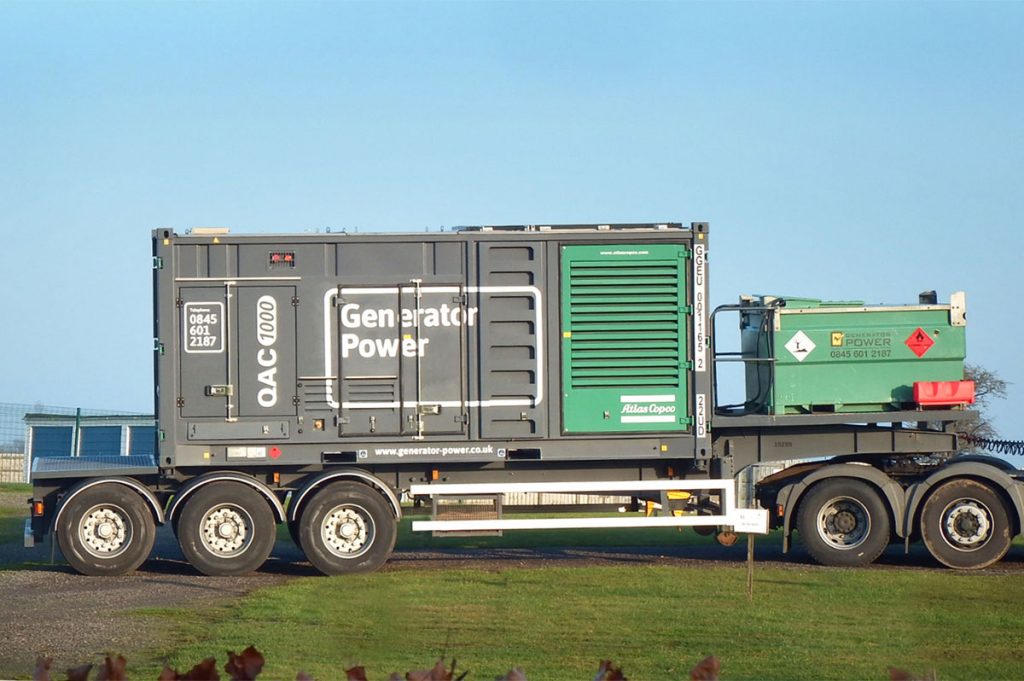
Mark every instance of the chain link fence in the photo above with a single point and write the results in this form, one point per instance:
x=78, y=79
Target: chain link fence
x=14, y=455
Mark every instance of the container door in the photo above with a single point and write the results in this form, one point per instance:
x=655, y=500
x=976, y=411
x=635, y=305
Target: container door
x=435, y=322
x=205, y=388
x=624, y=323
x=264, y=350
x=401, y=359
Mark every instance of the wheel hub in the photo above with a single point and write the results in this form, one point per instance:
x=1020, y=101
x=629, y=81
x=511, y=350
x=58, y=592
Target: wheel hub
x=347, y=531
x=967, y=524
x=844, y=523
x=226, y=531
x=105, y=531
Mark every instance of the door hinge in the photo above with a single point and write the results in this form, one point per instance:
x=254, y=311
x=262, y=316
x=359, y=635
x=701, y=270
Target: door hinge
x=158, y=262
x=179, y=303
x=296, y=401
x=295, y=301
x=180, y=402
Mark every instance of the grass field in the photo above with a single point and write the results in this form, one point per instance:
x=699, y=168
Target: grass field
x=13, y=511
x=804, y=623
x=557, y=623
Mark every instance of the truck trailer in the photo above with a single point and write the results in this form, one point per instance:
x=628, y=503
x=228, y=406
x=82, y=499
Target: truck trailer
x=326, y=381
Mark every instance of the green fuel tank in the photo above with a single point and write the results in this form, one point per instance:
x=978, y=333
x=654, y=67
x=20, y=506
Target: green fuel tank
x=843, y=356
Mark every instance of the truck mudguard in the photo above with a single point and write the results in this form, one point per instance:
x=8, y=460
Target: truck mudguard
x=981, y=468
x=299, y=496
x=151, y=500
x=790, y=495
x=225, y=476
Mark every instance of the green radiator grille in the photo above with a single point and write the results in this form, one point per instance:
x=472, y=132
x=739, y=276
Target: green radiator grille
x=624, y=323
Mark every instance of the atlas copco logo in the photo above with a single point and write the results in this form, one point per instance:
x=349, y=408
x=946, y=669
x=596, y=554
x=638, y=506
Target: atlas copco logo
x=653, y=408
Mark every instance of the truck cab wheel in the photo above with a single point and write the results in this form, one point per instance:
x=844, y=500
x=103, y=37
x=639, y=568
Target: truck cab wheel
x=226, y=528
x=844, y=522
x=106, y=530
x=965, y=525
x=347, y=527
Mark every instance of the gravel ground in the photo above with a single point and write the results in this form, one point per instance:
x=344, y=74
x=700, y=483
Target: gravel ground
x=49, y=609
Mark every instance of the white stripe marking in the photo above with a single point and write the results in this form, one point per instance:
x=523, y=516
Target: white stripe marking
x=647, y=398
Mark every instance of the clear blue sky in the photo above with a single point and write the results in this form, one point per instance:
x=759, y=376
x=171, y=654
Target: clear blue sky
x=839, y=150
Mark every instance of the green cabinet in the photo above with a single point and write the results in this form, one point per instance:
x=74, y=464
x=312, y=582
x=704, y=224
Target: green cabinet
x=624, y=351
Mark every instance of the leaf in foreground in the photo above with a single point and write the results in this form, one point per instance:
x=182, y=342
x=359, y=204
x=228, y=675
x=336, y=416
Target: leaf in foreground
x=113, y=669
x=438, y=673
x=42, y=672
x=897, y=674
x=245, y=666
x=79, y=673
x=706, y=670
x=609, y=672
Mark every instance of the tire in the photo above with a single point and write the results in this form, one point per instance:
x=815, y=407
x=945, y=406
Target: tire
x=106, y=530
x=226, y=528
x=965, y=525
x=347, y=527
x=844, y=522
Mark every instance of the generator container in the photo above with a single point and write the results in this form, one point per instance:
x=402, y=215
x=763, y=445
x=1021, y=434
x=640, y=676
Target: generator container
x=478, y=345
x=813, y=355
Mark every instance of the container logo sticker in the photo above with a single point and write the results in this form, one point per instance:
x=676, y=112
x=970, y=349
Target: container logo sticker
x=800, y=345
x=837, y=339
x=919, y=342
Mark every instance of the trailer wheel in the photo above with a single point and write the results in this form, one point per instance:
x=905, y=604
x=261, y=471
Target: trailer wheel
x=106, y=530
x=844, y=522
x=347, y=527
x=226, y=528
x=965, y=525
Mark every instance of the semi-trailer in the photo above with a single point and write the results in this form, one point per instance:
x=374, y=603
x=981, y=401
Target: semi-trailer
x=320, y=380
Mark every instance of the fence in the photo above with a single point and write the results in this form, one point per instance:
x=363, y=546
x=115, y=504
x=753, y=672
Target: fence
x=16, y=434
x=12, y=467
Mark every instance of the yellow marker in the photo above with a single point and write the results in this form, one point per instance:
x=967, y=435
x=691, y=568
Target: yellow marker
x=567, y=334
x=407, y=336
x=216, y=240
x=207, y=455
x=167, y=242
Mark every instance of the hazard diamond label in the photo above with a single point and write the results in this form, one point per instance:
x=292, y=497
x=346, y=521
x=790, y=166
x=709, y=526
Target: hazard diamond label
x=800, y=345
x=919, y=342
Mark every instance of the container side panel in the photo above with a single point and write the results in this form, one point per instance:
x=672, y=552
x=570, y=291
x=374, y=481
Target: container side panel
x=624, y=323
x=511, y=304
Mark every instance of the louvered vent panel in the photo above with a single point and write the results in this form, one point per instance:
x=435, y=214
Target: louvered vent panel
x=623, y=316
